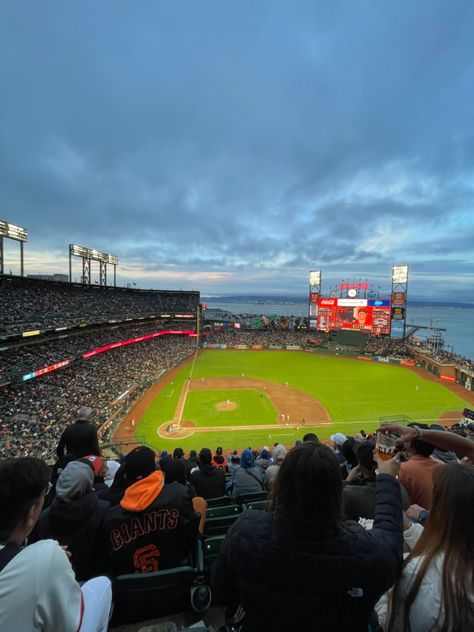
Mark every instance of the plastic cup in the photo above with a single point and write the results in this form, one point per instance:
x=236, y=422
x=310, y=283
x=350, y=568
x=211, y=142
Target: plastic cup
x=385, y=445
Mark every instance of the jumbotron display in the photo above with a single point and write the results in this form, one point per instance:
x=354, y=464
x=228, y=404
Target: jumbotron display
x=360, y=314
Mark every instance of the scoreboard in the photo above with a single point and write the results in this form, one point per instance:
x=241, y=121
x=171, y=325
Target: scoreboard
x=359, y=314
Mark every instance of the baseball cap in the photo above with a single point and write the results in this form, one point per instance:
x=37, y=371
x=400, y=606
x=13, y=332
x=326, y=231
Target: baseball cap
x=95, y=461
x=139, y=463
x=339, y=438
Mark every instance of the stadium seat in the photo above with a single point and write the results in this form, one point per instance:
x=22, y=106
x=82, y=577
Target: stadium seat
x=219, y=525
x=219, y=501
x=248, y=498
x=209, y=549
x=260, y=505
x=226, y=510
x=151, y=595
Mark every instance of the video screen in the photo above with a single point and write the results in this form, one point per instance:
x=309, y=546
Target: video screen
x=372, y=316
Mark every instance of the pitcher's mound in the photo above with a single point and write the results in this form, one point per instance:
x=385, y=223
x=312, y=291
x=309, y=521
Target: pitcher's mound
x=228, y=405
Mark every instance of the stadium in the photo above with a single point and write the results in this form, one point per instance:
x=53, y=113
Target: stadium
x=157, y=376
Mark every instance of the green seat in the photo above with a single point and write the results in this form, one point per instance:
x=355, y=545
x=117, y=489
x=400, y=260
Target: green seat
x=219, y=501
x=248, y=498
x=219, y=525
x=210, y=550
x=152, y=595
x=218, y=512
x=262, y=505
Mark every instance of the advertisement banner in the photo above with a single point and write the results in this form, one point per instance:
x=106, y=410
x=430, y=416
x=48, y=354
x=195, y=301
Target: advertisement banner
x=257, y=347
x=313, y=297
x=407, y=363
x=293, y=347
x=240, y=347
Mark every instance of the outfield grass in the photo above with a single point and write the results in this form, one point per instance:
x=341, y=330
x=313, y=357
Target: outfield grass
x=252, y=406
x=355, y=393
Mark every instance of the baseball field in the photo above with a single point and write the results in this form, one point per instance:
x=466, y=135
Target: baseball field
x=241, y=398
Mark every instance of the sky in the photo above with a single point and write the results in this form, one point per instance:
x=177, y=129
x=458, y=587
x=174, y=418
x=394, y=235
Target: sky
x=231, y=147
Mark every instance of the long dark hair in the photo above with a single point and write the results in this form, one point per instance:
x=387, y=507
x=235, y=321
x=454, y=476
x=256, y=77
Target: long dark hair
x=308, y=488
x=449, y=531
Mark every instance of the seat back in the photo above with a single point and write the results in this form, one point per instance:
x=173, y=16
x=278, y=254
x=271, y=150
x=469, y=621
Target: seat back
x=227, y=510
x=210, y=550
x=220, y=501
x=247, y=498
x=152, y=595
x=262, y=505
x=219, y=525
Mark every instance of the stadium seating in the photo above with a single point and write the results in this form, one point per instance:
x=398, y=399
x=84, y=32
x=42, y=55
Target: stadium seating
x=257, y=505
x=209, y=549
x=152, y=595
x=248, y=498
x=219, y=501
x=226, y=510
x=219, y=525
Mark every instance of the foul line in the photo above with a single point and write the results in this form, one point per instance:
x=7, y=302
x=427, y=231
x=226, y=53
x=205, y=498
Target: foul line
x=183, y=403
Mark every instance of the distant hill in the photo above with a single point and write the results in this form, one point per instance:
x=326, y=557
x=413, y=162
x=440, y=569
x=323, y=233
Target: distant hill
x=248, y=299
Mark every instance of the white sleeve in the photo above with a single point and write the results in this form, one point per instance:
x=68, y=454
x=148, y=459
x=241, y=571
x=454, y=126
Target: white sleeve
x=412, y=535
x=59, y=607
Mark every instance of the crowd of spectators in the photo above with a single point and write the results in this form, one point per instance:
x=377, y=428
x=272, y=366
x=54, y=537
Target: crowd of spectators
x=42, y=306
x=33, y=413
x=266, y=338
x=446, y=357
x=327, y=553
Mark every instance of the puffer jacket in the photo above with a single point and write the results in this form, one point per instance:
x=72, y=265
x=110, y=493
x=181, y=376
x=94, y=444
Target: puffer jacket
x=305, y=583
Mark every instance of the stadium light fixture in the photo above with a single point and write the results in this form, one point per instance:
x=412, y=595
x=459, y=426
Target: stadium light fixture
x=315, y=277
x=399, y=274
x=11, y=231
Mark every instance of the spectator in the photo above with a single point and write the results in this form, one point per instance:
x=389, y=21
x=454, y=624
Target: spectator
x=247, y=478
x=193, y=461
x=436, y=589
x=301, y=553
x=416, y=475
x=208, y=480
x=80, y=438
x=154, y=524
x=310, y=436
x=38, y=590
x=339, y=439
x=359, y=490
x=219, y=460
x=74, y=517
x=264, y=460
x=233, y=461
x=111, y=471
x=278, y=455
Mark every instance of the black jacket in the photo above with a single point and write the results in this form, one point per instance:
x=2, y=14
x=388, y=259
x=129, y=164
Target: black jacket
x=153, y=528
x=289, y=580
x=76, y=525
x=79, y=439
x=208, y=481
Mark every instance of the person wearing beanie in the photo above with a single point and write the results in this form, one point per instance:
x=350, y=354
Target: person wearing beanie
x=278, y=455
x=233, y=461
x=74, y=518
x=219, y=460
x=248, y=478
x=138, y=463
x=208, y=480
x=154, y=526
x=264, y=460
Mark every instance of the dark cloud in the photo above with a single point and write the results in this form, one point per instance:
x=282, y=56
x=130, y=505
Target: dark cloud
x=256, y=140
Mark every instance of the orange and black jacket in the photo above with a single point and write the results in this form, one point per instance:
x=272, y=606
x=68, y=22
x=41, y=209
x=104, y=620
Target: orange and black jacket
x=154, y=527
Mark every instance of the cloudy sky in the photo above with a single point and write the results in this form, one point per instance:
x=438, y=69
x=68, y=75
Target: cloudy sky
x=232, y=146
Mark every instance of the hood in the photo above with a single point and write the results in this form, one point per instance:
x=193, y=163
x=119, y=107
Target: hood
x=247, y=459
x=263, y=463
x=66, y=517
x=278, y=454
x=141, y=494
x=76, y=480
